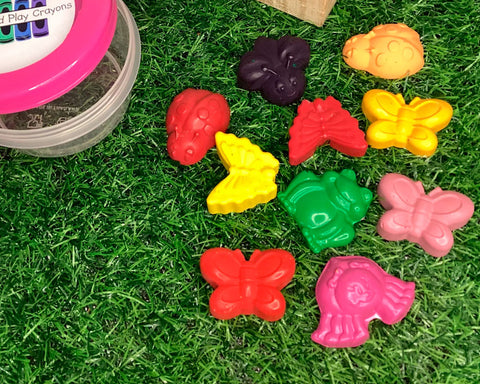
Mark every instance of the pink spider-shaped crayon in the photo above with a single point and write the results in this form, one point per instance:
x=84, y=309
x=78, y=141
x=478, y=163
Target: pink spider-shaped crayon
x=352, y=291
x=427, y=220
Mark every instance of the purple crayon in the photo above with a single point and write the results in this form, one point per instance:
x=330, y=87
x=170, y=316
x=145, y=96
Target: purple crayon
x=39, y=27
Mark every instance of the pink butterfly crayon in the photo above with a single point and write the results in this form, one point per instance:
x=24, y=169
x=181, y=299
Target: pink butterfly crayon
x=320, y=121
x=352, y=291
x=246, y=287
x=427, y=220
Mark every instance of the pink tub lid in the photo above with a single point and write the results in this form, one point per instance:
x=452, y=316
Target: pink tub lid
x=49, y=46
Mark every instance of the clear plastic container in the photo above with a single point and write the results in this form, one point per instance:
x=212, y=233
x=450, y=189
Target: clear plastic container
x=89, y=112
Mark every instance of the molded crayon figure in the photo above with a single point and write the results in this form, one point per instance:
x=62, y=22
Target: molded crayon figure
x=326, y=207
x=390, y=51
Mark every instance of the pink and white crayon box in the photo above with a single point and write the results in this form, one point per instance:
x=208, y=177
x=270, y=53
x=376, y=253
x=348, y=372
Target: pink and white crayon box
x=70, y=70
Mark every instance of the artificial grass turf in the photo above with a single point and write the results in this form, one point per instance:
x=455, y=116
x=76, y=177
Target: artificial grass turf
x=100, y=282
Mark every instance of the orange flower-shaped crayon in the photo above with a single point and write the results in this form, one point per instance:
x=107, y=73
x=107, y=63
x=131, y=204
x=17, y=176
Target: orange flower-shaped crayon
x=390, y=51
x=397, y=124
x=251, y=178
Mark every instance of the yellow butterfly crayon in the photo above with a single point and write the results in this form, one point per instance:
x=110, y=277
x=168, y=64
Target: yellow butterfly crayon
x=251, y=176
x=397, y=124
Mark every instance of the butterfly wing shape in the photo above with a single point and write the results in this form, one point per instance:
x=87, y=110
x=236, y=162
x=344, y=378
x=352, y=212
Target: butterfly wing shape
x=421, y=142
x=274, y=269
x=382, y=105
x=247, y=287
x=382, y=108
x=451, y=210
x=418, y=140
x=306, y=133
x=433, y=114
x=346, y=137
x=412, y=127
x=427, y=220
x=221, y=267
x=395, y=225
x=251, y=178
x=321, y=121
x=398, y=194
x=436, y=239
x=240, y=153
x=240, y=191
x=399, y=191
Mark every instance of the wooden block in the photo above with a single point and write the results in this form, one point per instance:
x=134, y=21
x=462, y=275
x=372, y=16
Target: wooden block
x=313, y=11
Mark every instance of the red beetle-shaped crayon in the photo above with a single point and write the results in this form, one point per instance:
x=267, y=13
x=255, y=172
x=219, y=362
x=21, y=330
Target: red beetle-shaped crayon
x=193, y=118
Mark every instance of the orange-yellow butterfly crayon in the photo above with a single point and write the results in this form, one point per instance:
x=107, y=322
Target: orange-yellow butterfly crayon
x=390, y=51
x=251, y=176
x=397, y=124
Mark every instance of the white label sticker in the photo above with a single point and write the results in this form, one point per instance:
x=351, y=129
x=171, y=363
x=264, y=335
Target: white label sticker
x=32, y=29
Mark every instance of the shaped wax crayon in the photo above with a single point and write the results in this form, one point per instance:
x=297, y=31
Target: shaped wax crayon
x=276, y=68
x=326, y=207
x=352, y=291
x=251, y=176
x=427, y=220
x=247, y=287
x=321, y=121
x=193, y=118
x=411, y=126
x=390, y=51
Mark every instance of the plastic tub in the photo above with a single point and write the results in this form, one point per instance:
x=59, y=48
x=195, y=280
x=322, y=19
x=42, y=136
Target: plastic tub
x=87, y=113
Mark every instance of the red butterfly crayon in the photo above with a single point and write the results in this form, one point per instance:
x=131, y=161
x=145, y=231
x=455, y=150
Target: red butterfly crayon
x=247, y=287
x=321, y=121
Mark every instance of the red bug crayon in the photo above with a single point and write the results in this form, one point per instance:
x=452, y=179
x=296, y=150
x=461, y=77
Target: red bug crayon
x=193, y=119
